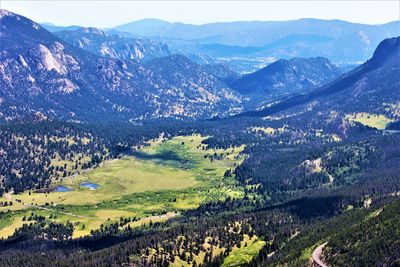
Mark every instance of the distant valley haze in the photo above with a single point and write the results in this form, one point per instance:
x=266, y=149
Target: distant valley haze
x=109, y=14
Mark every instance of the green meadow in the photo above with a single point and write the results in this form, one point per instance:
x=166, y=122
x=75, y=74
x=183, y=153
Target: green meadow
x=157, y=182
x=372, y=120
x=245, y=254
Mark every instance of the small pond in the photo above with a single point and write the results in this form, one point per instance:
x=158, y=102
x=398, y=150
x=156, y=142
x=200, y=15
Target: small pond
x=91, y=186
x=62, y=188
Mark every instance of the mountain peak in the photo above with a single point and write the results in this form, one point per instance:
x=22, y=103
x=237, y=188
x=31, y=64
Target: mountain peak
x=386, y=48
x=92, y=30
x=351, y=91
x=59, y=78
x=4, y=13
x=152, y=20
x=287, y=76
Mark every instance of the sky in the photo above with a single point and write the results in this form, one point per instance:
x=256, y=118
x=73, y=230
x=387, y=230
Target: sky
x=108, y=13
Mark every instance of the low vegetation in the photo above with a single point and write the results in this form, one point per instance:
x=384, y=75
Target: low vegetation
x=372, y=120
x=168, y=176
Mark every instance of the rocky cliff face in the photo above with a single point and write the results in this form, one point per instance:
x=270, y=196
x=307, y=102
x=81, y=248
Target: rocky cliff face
x=114, y=45
x=39, y=72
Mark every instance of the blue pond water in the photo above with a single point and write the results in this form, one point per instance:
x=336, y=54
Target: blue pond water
x=91, y=186
x=62, y=188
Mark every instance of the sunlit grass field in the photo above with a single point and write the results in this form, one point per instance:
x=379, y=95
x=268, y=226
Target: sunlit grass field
x=165, y=177
x=372, y=120
x=244, y=254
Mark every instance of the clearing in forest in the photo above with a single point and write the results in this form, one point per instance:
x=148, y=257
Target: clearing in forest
x=372, y=120
x=165, y=177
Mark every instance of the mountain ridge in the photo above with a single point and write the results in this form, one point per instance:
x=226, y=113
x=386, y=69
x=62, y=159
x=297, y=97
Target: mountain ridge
x=340, y=41
x=112, y=45
x=285, y=77
x=65, y=82
x=387, y=50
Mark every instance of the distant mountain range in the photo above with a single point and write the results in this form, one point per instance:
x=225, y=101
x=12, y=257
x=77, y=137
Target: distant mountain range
x=41, y=73
x=113, y=45
x=250, y=42
x=340, y=41
x=54, y=28
x=373, y=87
x=87, y=74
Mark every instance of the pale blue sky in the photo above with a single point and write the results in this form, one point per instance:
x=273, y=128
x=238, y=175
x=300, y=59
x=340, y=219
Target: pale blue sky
x=113, y=13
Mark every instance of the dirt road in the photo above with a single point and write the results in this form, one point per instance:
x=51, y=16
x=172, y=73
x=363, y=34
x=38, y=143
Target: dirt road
x=316, y=256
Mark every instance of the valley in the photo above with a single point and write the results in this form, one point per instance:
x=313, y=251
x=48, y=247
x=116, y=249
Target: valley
x=160, y=180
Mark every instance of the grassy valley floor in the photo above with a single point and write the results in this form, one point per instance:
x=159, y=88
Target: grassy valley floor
x=156, y=183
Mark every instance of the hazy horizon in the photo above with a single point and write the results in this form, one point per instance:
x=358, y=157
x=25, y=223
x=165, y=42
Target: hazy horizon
x=213, y=22
x=107, y=14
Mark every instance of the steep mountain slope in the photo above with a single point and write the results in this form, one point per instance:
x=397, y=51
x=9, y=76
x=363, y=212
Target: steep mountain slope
x=334, y=39
x=114, y=46
x=380, y=247
x=40, y=73
x=222, y=71
x=287, y=77
x=192, y=81
x=373, y=87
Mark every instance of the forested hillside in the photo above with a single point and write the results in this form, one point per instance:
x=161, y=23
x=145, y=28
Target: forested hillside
x=286, y=77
